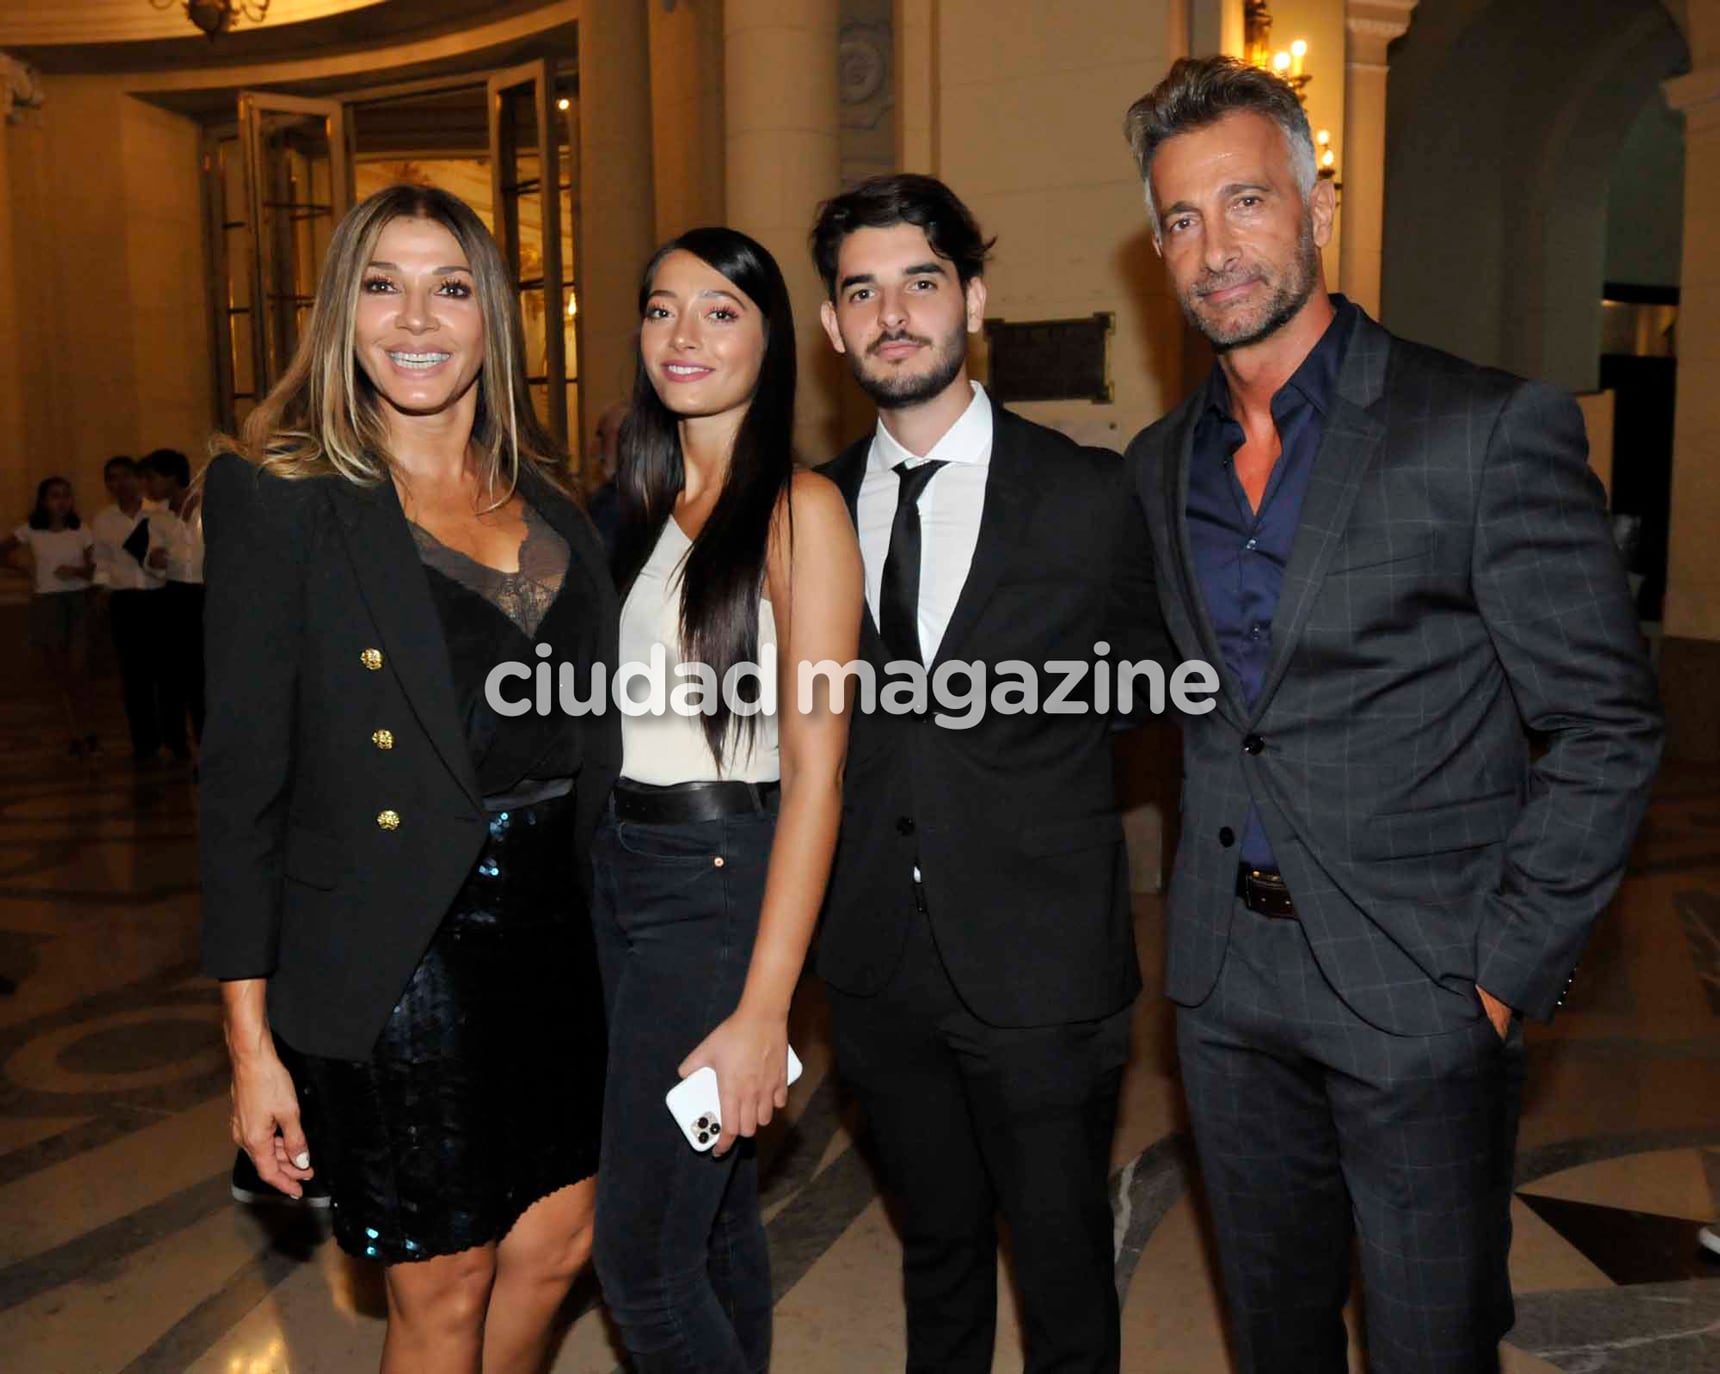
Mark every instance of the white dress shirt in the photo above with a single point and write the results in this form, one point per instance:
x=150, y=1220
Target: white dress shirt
x=950, y=509
x=183, y=540
x=115, y=567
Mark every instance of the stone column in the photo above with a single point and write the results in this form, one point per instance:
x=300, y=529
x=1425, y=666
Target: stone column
x=1690, y=653
x=781, y=126
x=1370, y=25
x=687, y=115
x=617, y=228
x=914, y=23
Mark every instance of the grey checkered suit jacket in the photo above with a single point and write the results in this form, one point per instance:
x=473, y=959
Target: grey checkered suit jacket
x=1452, y=590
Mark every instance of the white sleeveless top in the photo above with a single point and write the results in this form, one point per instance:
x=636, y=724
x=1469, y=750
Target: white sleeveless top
x=666, y=747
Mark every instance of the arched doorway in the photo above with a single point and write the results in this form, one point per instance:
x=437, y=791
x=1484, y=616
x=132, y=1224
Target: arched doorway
x=1534, y=203
x=1506, y=117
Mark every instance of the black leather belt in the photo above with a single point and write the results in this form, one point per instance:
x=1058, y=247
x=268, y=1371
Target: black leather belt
x=690, y=801
x=1264, y=892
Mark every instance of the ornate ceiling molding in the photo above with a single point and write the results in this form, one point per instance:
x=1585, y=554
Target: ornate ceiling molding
x=25, y=23
x=1371, y=26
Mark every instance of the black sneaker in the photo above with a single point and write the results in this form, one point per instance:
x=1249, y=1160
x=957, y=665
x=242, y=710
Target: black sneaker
x=248, y=1187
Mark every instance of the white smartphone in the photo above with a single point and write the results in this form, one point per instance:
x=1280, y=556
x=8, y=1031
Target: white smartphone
x=694, y=1103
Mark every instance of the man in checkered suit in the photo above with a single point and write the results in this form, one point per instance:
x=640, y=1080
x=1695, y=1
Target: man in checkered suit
x=1399, y=564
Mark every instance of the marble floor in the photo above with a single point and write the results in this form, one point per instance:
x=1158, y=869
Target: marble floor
x=120, y=1249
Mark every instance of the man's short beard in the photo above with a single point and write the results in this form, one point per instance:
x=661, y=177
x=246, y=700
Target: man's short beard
x=1286, y=303
x=897, y=392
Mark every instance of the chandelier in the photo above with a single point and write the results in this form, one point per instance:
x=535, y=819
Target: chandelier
x=215, y=17
x=1290, y=63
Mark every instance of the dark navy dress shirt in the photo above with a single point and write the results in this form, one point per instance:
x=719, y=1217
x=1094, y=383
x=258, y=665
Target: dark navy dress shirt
x=1240, y=554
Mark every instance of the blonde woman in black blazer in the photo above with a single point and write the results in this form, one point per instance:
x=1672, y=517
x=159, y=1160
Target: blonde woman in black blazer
x=395, y=873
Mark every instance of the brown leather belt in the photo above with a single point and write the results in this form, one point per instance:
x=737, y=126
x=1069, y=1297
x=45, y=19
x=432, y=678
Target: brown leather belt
x=1264, y=892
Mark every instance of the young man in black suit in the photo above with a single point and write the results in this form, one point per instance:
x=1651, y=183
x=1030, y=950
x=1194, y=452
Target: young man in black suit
x=977, y=940
x=1401, y=564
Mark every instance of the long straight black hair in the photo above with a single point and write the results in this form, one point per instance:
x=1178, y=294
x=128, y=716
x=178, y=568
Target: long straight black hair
x=723, y=575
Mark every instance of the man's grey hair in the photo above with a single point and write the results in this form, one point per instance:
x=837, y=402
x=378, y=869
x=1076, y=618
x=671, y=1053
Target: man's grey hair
x=1200, y=91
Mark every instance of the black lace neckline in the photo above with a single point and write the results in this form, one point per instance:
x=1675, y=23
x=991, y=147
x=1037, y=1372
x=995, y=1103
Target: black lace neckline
x=524, y=596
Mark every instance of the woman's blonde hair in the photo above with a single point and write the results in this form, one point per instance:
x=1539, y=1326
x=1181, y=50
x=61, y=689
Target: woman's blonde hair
x=324, y=416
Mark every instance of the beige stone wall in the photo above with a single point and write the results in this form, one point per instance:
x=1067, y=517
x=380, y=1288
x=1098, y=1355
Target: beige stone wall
x=782, y=157
x=687, y=116
x=1028, y=132
x=914, y=30
x=617, y=225
x=109, y=349
x=169, y=305
x=16, y=487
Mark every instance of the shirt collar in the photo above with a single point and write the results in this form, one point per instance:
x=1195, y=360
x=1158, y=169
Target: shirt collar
x=968, y=440
x=1317, y=377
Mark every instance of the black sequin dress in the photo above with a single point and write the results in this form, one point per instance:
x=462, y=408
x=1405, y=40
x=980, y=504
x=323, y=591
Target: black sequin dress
x=484, y=1091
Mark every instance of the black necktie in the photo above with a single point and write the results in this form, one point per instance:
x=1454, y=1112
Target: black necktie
x=899, y=595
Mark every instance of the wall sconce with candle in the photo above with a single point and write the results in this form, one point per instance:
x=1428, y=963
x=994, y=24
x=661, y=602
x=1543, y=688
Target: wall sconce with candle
x=1291, y=63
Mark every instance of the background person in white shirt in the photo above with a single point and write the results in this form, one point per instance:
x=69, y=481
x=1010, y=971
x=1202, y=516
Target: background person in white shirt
x=179, y=555
x=62, y=566
x=134, y=612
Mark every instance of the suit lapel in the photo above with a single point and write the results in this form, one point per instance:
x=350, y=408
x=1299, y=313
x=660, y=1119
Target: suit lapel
x=848, y=471
x=1352, y=439
x=397, y=595
x=1008, y=489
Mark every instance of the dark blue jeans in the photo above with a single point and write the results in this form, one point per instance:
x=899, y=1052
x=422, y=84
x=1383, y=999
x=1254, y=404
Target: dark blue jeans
x=680, y=1246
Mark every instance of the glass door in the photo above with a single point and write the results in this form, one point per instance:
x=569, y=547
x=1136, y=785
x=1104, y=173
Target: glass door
x=533, y=143
x=278, y=180
x=433, y=132
x=298, y=184
x=228, y=269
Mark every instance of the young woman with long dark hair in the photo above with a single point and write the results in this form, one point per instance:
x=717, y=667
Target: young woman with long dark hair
x=712, y=862
x=395, y=874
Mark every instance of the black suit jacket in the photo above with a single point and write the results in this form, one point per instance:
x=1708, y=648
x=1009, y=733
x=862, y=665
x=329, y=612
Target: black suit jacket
x=301, y=885
x=1452, y=587
x=1013, y=822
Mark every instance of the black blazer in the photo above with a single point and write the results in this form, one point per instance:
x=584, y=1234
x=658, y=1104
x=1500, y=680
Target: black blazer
x=321, y=631
x=1013, y=822
x=1453, y=586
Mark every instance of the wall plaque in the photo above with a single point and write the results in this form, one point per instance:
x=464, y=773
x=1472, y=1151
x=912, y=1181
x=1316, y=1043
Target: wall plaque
x=1051, y=360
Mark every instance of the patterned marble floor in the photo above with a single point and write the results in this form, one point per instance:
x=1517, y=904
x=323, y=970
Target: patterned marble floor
x=121, y=1251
